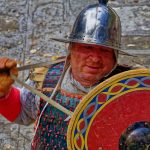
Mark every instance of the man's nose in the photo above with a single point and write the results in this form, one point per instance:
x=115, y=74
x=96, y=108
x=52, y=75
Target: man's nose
x=95, y=57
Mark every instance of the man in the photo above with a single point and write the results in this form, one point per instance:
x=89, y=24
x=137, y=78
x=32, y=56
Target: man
x=93, y=49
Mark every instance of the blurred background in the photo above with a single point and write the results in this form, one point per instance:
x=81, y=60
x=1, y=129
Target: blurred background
x=25, y=30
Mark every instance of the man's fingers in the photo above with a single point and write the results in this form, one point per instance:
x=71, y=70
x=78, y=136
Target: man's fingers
x=11, y=63
x=3, y=62
x=14, y=71
x=7, y=67
x=7, y=63
x=5, y=80
x=5, y=84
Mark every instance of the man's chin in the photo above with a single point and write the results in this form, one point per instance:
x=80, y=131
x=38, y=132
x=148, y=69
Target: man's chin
x=91, y=78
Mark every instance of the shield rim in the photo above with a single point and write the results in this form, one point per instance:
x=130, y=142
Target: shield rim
x=97, y=89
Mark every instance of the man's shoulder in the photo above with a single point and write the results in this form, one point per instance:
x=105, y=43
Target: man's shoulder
x=120, y=68
x=38, y=75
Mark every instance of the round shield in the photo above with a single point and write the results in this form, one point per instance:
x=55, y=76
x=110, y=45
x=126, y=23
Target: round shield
x=108, y=110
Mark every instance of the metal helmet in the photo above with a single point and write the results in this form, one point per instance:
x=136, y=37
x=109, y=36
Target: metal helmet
x=96, y=24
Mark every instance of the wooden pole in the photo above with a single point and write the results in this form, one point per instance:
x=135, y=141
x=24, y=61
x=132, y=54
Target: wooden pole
x=47, y=99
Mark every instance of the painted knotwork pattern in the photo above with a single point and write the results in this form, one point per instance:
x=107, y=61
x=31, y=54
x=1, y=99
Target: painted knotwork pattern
x=109, y=92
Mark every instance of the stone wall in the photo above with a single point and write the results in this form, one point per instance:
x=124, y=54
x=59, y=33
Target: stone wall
x=27, y=25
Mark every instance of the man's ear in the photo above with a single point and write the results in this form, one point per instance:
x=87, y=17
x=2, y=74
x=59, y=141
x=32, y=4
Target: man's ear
x=69, y=57
x=69, y=47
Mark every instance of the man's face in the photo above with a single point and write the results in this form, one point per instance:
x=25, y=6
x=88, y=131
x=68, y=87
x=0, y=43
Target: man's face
x=90, y=63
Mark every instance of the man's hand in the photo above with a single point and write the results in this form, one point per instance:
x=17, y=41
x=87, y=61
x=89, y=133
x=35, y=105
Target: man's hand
x=7, y=67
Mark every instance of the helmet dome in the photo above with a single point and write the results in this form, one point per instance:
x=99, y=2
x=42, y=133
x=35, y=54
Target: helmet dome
x=96, y=24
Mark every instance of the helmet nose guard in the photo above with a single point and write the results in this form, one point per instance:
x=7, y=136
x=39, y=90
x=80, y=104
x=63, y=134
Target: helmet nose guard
x=96, y=24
